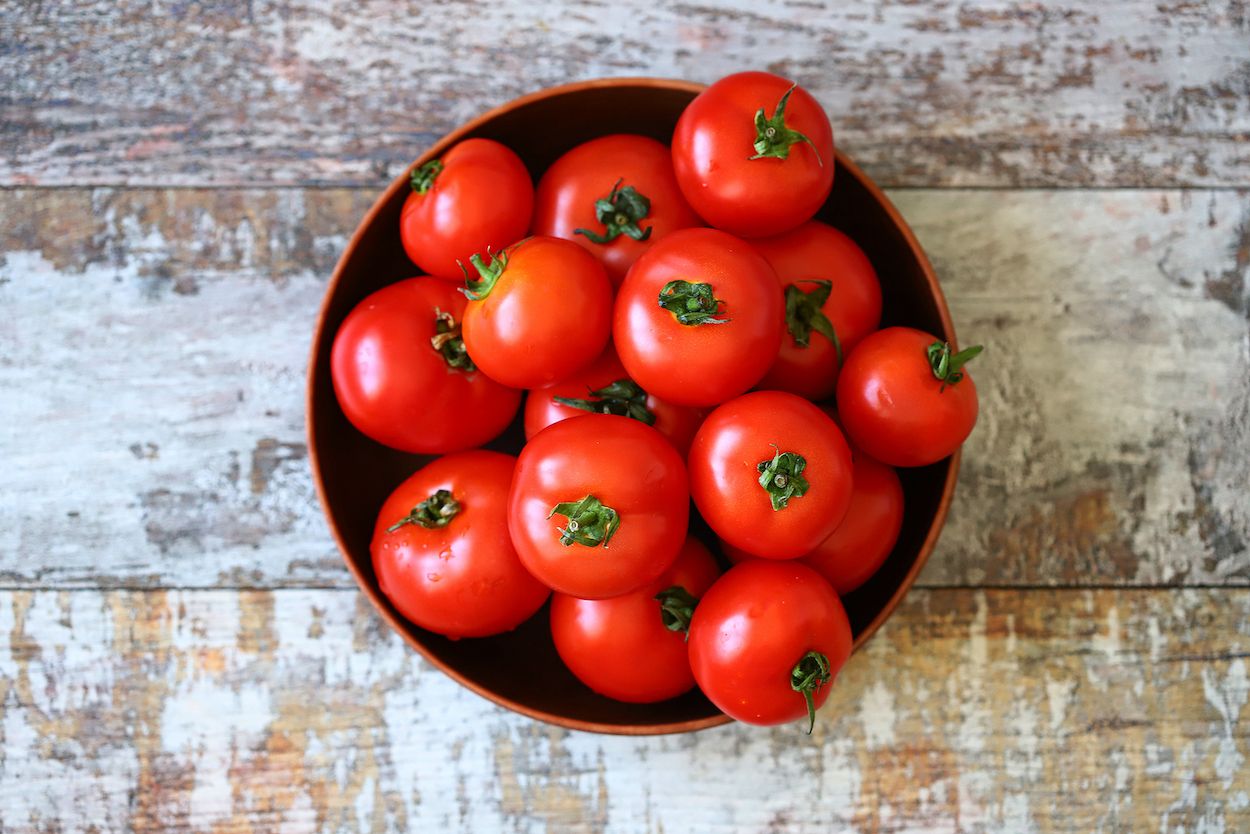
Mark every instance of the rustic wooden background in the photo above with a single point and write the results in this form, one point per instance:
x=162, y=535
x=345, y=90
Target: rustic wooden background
x=180, y=646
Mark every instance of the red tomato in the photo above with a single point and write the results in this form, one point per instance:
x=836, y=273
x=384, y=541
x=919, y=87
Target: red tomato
x=833, y=300
x=698, y=319
x=633, y=647
x=402, y=377
x=766, y=641
x=605, y=388
x=479, y=196
x=905, y=399
x=541, y=310
x=771, y=474
x=598, y=506
x=754, y=154
x=615, y=196
x=441, y=549
x=864, y=539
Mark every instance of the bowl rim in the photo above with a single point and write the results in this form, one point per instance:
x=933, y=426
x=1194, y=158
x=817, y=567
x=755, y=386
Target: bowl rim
x=373, y=594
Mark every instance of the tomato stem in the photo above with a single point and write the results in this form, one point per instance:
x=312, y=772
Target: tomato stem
x=488, y=273
x=620, y=213
x=804, y=314
x=773, y=138
x=947, y=367
x=808, y=676
x=624, y=397
x=449, y=343
x=782, y=477
x=423, y=177
x=436, y=511
x=676, y=608
x=692, y=304
x=591, y=522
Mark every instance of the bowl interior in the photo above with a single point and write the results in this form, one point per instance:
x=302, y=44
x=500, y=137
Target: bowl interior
x=521, y=670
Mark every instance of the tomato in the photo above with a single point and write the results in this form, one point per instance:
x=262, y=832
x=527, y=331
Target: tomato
x=402, y=376
x=441, y=550
x=698, y=319
x=633, y=647
x=866, y=536
x=754, y=154
x=833, y=300
x=766, y=640
x=905, y=398
x=771, y=474
x=615, y=196
x=598, y=506
x=605, y=388
x=541, y=310
x=479, y=196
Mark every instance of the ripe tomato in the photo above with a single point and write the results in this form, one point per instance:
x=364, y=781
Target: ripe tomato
x=598, y=506
x=633, y=647
x=615, y=196
x=541, y=310
x=479, y=196
x=698, y=319
x=754, y=154
x=771, y=474
x=833, y=300
x=766, y=640
x=441, y=549
x=403, y=378
x=905, y=398
x=605, y=388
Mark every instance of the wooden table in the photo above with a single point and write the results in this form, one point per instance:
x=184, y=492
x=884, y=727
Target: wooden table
x=180, y=645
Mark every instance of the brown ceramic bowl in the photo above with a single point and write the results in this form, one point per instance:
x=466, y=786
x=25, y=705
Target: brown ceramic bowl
x=521, y=670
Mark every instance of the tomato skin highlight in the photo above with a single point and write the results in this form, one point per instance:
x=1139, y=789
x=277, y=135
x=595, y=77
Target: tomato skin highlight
x=708, y=363
x=724, y=479
x=678, y=423
x=627, y=466
x=619, y=647
x=396, y=388
x=482, y=198
x=464, y=579
x=714, y=140
x=895, y=409
x=567, y=192
x=751, y=628
x=818, y=252
x=548, y=316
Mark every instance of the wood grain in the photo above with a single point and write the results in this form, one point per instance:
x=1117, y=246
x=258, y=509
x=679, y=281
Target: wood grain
x=997, y=93
x=152, y=425
x=992, y=711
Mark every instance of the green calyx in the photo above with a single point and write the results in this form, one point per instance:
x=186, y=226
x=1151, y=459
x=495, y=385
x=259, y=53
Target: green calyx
x=620, y=213
x=591, y=522
x=488, y=271
x=948, y=367
x=423, y=177
x=772, y=138
x=449, y=343
x=436, y=511
x=782, y=478
x=804, y=314
x=807, y=677
x=692, y=304
x=624, y=398
x=676, y=608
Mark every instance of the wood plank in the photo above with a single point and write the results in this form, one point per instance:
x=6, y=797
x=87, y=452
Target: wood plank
x=998, y=711
x=1127, y=92
x=153, y=369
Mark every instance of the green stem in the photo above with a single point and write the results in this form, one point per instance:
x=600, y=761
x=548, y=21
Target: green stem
x=488, y=272
x=804, y=314
x=449, y=343
x=436, y=511
x=948, y=367
x=423, y=177
x=591, y=522
x=773, y=138
x=624, y=397
x=808, y=676
x=620, y=213
x=692, y=304
x=782, y=478
x=676, y=608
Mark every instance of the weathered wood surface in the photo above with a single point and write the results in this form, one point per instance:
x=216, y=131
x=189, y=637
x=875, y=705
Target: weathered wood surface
x=153, y=376
x=1119, y=92
x=998, y=711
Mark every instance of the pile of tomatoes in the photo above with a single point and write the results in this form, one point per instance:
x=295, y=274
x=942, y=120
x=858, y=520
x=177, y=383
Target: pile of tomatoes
x=681, y=330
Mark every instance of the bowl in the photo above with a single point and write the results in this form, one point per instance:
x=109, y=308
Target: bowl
x=521, y=670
